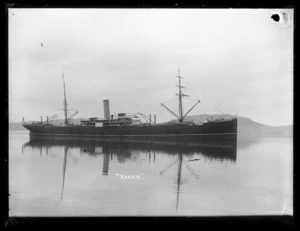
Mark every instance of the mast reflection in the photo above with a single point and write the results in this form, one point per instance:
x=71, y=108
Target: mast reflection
x=64, y=171
x=122, y=151
x=178, y=179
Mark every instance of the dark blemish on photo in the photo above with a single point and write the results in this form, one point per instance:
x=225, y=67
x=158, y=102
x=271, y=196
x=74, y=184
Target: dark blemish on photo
x=275, y=17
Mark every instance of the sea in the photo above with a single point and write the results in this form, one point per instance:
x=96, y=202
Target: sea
x=61, y=178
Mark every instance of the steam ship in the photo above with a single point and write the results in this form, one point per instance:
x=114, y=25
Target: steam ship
x=128, y=126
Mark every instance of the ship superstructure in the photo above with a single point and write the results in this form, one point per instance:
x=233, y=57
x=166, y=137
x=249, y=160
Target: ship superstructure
x=126, y=119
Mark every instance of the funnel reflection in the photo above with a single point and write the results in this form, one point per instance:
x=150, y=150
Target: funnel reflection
x=181, y=155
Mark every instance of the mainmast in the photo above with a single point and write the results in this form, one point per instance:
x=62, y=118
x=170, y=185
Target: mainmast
x=65, y=101
x=180, y=95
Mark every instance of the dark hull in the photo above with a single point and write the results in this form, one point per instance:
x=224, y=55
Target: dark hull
x=224, y=131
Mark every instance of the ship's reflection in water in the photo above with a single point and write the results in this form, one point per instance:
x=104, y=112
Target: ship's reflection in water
x=182, y=155
x=55, y=177
x=120, y=152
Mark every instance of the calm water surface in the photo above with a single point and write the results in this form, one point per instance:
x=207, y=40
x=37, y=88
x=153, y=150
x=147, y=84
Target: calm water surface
x=88, y=178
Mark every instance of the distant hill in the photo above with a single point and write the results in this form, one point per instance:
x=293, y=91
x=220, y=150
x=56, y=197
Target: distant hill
x=247, y=128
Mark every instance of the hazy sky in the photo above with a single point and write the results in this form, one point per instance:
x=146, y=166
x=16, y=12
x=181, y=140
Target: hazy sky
x=237, y=60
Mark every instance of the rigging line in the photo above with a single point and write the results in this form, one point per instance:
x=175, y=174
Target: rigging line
x=192, y=99
x=168, y=166
x=219, y=110
x=191, y=170
x=170, y=101
x=72, y=108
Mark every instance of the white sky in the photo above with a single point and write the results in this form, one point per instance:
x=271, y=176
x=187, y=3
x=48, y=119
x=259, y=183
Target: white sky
x=237, y=60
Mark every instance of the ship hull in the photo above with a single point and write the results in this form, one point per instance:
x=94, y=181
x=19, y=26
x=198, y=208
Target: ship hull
x=224, y=131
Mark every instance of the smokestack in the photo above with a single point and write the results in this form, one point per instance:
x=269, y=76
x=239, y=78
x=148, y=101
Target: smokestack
x=106, y=109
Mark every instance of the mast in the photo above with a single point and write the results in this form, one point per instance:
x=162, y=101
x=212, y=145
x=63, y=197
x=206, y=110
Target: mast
x=65, y=101
x=180, y=95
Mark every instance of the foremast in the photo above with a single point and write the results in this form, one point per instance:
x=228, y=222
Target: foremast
x=65, y=101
